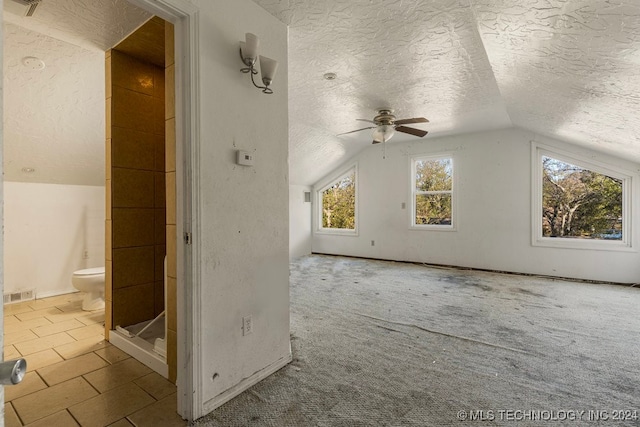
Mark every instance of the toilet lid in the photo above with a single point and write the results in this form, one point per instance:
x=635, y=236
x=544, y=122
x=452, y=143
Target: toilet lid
x=89, y=271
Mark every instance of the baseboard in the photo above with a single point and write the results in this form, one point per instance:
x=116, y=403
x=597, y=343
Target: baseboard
x=40, y=295
x=254, y=379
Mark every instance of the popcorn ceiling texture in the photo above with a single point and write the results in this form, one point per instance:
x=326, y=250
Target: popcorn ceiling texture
x=96, y=25
x=54, y=119
x=563, y=69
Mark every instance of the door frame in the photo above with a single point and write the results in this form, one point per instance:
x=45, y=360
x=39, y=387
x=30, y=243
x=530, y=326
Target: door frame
x=185, y=17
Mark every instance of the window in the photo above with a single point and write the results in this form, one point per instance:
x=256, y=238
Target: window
x=432, y=193
x=579, y=203
x=337, y=204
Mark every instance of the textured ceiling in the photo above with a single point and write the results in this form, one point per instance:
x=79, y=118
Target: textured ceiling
x=566, y=69
x=92, y=24
x=54, y=118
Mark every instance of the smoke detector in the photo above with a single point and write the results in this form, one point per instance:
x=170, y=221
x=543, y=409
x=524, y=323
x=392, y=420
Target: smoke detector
x=23, y=7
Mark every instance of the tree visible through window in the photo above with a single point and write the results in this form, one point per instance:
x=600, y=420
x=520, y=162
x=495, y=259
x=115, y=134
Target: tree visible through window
x=339, y=203
x=433, y=192
x=579, y=203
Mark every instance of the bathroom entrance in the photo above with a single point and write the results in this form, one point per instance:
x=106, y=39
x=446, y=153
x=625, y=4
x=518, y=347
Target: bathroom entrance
x=140, y=246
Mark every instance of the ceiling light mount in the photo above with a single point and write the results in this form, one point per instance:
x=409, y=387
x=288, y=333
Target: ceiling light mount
x=33, y=63
x=330, y=76
x=249, y=56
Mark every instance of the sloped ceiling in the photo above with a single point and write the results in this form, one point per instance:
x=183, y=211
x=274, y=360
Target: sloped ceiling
x=54, y=118
x=565, y=69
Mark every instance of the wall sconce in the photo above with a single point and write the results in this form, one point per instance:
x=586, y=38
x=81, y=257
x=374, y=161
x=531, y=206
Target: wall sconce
x=249, y=55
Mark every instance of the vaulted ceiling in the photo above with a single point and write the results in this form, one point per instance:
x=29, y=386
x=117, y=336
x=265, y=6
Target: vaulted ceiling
x=561, y=68
x=567, y=69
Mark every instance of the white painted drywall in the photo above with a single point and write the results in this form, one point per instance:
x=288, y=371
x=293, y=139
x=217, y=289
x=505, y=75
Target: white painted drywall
x=47, y=229
x=494, y=211
x=244, y=228
x=299, y=221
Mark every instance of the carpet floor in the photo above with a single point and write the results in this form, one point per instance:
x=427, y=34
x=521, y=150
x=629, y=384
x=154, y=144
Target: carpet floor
x=378, y=343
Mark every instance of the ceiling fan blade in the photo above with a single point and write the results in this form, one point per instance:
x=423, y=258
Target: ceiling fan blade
x=409, y=121
x=412, y=131
x=365, y=120
x=345, y=133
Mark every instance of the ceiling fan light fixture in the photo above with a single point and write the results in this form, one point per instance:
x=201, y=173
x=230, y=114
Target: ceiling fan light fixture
x=383, y=133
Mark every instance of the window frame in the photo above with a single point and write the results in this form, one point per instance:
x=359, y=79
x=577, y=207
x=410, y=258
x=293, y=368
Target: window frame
x=538, y=151
x=324, y=185
x=413, y=193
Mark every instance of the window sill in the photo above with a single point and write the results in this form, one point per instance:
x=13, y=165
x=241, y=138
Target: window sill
x=337, y=232
x=600, y=245
x=433, y=227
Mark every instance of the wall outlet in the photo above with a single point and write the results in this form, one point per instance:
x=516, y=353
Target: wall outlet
x=85, y=255
x=373, y=243
x=404, y=205
x=247, y=325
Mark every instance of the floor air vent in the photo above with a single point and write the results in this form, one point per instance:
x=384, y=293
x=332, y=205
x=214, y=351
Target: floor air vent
x=18, y=296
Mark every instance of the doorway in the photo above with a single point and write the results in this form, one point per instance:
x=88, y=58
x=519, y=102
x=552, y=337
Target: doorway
x=184, y=16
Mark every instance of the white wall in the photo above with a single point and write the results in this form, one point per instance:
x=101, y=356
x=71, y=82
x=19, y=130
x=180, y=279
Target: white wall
x=244, y=228
x=299, y=221
x=47, y=229
x=494, y=211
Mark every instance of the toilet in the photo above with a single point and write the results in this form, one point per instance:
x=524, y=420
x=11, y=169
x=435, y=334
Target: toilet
x=91, y=282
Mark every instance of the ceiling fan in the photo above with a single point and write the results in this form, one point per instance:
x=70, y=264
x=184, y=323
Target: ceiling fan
x=386, y=126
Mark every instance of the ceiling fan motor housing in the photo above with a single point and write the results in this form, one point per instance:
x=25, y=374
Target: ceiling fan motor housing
x=384, y=117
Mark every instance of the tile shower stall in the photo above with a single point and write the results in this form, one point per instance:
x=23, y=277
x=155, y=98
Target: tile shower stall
x=140, y=183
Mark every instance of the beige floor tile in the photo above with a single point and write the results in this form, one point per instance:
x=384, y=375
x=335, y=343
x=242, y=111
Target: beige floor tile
x=27, y=324
x=63, y=371
x=10, y=417
x=54, y=301
x=59, y=419
x=10, y=320
x=75, y=306
x=43, y=331
x=47, y=402
x=30, y=384
x=112, y=354
x=121, y=423
x=117, y=374
x=111, y=406
x=92, y=317
x=33, y=314
x=86, y=331
x=21, y=307
x=10, y=352
x=62, y=316
x=162, y=413
x=42, y=358
x=44, y=343
x=156, y=385
x=19, y=336
x=77, y=348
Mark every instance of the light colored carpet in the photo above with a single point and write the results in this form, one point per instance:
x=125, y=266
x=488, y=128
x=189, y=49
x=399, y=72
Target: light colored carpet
x=379, y=343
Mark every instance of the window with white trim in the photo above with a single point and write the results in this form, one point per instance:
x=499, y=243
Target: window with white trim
x=579, y=202
x=337, y=204
x=432, y=189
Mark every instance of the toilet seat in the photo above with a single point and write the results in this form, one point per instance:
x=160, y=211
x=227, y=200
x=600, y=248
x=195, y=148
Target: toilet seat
x=89, y=271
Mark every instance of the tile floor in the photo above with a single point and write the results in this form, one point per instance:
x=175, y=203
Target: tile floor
x=74, y=377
